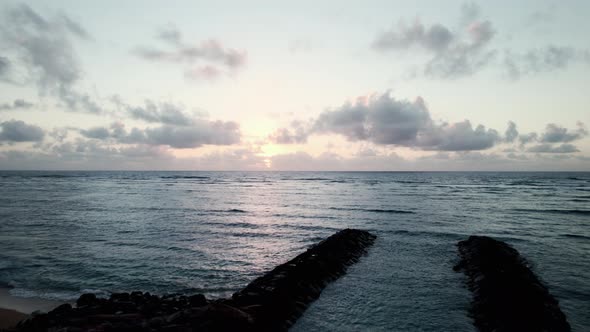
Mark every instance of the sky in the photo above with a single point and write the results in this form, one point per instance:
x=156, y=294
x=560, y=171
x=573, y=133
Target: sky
x=307, y=85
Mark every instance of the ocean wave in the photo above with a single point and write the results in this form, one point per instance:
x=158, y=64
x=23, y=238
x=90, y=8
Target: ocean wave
x=425, y=233
x=309, y=179
x=55, y=295
x=301, y=216
x=556, y=211
x=393, y=211
x=185, y=177
x=576, y=236
x=226, y=224
x=524, y=183
x=229, y=211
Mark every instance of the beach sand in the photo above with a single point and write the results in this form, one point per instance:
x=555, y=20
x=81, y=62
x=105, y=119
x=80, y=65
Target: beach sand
x=14, y=308
x=9, y=318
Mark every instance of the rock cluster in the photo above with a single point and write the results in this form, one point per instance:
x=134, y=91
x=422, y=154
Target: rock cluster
x=507, y=296
x=270, y=303
x=279, y=297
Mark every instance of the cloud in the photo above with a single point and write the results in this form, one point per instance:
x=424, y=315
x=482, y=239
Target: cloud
x=466, y=50
x=435, y=38
x=528, y=138
x=211, y=54
x=198, y=133
x=453, y=53
x=511, y=133
x=459, y=136
x=96, y=132
x=44, y=49
x=548, y=148
x=18, y=131
x=297, y=134
x=170, y=34
x=383, y=120
x=470, y=12
x=100, y=155
x=152, y=112
x=17, y=104
x=4, y=67
x=208, y=72
x=557, y=134
x=546, y=59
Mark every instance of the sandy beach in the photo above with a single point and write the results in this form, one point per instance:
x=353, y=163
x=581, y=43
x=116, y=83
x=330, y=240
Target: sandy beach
x=14, y=308
x=9, y=318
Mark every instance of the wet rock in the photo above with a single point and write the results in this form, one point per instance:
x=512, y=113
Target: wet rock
x=272, y=302
x=285, y=292
x=197, y=300
x=507, y=296
x=117, y=297
x=86, y=300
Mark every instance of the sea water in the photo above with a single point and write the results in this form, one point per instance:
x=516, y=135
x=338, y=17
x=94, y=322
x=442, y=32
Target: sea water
x=65, y=233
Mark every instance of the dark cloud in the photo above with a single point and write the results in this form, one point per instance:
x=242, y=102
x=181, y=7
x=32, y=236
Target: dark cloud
x=96, y=132
x=170, y=34
x=297, y=134
x=549, y=148
x=511, y=133
x=528, y=138
x=464, y=51
x=4, y=66
x=383, y=120
x=44, y=49
x=459, y=136
x=99, y=155
x=18, y=131
x=198, y=133
x=452, y=53
x=59, y=134
x=216, y=57
x=435, y=38
x=557, y=134
x=547, y=59
x=166, y=113
x=546, y=141
x=17, y=104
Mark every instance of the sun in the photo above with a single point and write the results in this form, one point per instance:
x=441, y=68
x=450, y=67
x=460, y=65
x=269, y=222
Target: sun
x=271, y=150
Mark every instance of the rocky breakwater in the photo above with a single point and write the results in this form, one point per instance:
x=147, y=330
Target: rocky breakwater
x=272, y=302
x=507, y=296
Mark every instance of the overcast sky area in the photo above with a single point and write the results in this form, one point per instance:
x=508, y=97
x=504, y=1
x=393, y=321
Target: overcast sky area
x=300, y=85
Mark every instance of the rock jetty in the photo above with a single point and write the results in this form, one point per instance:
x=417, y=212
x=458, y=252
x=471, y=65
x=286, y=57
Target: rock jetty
x=272, y=302
x=507, y=296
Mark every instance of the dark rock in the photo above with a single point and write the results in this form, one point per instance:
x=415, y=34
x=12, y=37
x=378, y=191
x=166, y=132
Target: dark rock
x=197, y=300
x=507, y=296
x=285, y=292
x=221, y=317
x=271, y=302
x=63, y=309
x=120, y=297
x=86, y=300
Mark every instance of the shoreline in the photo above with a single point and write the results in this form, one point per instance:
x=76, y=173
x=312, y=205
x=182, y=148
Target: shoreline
x=271, y=302
x=9, y=318
x=15, y=308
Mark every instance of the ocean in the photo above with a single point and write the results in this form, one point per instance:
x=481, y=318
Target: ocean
x=65, y=233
